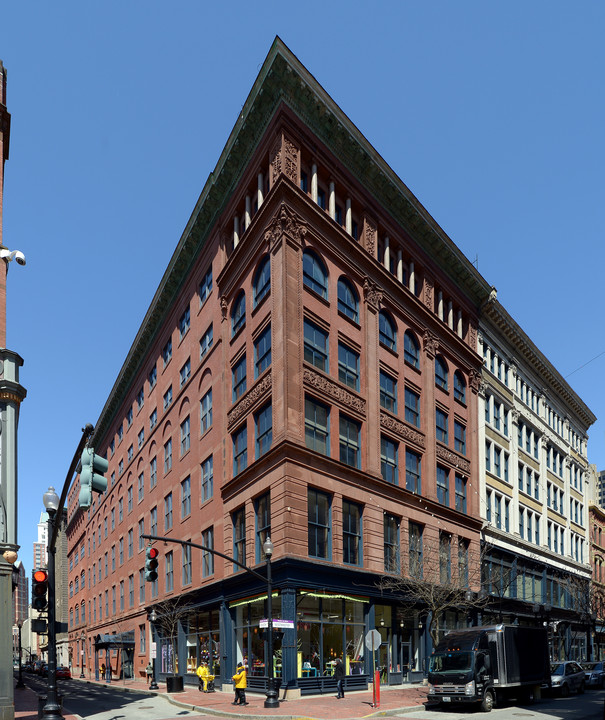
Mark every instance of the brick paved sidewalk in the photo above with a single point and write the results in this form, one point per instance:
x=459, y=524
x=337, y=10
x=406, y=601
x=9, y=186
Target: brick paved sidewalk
x=403, y=698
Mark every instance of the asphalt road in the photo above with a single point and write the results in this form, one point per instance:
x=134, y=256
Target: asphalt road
x=100, y=702
x=590, y=706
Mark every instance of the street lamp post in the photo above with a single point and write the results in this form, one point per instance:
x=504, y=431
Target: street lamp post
x=82, y=654
x=152, y=618
x=271, y=700
x=52, y=708
x=20, y=684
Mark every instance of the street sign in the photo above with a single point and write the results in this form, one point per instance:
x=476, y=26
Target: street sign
x=373, y=640
x=153, y=652
x=277, y=624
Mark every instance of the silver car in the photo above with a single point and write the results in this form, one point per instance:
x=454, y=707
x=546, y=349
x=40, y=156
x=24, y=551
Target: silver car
x=567, y=676
x=595, y=674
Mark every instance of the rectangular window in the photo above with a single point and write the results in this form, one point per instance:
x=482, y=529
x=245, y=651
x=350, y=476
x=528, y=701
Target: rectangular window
x=206, y=342
x=412, y=407
x=167, y=399
x=240, y=449
x=443, y=486
x=388, y=460
x=463, y=546
x=207, y=479
x=130, y=496
x=168, y=563
x=239, y=537
x=348, y=366
x=153, y=472
x=167, y=353
x=185, y=373
x=391, y=543
x=415, y=550
x=238, y=378
x=459, y=438
x=205, y=286
x=168, y=512
x=319, y=524
x=352, y=552
x=185, y=435
x=152, y=377
x=263, y=422
x=262, y=352
x=141, y=486
x=153, y=419
x=388, y=392
x=168, y=457
x=413, y=472
x=441, y=425
x=317, y=435
x=184, y=323
x=140, y=398
x=460, y=493
x=349, y=441
x=186, y=564
x=263, y=524
x=315, y=346
x=186, y=497
x=141, y=438
x=206, y=412
x=208, y=557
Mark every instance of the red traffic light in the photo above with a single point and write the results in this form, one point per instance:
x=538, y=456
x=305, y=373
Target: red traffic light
x=40, y=576
x=152, y=552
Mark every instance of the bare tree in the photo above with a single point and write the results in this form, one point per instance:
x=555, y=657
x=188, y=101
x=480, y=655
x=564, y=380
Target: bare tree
x=438, y=574
x=170, y=616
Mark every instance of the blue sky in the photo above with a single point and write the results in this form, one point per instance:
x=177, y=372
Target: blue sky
x=491, y=112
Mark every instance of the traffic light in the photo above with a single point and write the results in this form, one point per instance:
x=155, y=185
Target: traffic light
x=91, y=476
x=151, y=564
x=39, y=589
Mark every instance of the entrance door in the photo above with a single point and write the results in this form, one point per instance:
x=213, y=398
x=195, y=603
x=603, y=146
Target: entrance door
x=406, y=653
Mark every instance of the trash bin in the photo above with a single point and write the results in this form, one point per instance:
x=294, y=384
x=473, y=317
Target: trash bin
x=42, y=699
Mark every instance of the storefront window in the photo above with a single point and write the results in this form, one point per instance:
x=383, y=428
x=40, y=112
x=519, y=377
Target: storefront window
x=329, y=627
x=203, y=642
x=251, y=639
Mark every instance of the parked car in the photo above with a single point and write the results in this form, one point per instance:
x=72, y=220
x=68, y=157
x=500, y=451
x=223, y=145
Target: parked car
x=595, y=674
x=63, y=672
x=567, y=676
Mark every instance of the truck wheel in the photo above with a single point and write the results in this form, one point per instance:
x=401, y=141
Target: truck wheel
x=488, y=701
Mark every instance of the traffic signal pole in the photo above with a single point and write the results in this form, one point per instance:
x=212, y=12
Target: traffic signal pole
x=52, y=708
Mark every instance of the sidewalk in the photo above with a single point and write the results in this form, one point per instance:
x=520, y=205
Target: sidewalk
x=393, y=700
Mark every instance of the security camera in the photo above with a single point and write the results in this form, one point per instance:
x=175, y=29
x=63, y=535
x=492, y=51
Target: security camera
x=8, y=255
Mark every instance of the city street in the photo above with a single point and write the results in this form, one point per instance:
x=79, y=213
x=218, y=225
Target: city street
x=105, y=703
x=576, y=707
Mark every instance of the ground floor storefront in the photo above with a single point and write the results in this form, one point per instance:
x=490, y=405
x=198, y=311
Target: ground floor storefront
x=313, y=627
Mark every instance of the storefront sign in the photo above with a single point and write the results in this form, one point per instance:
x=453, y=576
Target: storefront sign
x=278, y=624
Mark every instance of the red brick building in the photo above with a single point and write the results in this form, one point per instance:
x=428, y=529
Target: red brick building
x=307, y=369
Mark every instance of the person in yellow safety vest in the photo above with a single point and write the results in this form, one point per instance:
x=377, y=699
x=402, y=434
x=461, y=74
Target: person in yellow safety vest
x=204, y=677
x=240, y=685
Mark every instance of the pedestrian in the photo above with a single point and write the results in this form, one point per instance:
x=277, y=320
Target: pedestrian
x=204, y=676
x=149, y=673
x=339, y=674
x=103, y=671
x=240, y=685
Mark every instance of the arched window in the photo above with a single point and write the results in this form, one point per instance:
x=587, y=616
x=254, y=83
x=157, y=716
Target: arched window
x=459, y=387
x=440, y=373
x=238, y=314
x=386, y=331
x=315, y=274
x=262, y=280
x=411, y=349
x=348, y=303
